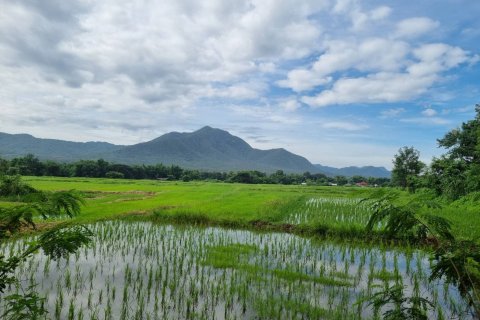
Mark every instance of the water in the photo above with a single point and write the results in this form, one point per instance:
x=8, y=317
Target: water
x=339, y=211
x=150, y=271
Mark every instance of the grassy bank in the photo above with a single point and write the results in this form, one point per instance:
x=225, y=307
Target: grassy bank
x=335, y=211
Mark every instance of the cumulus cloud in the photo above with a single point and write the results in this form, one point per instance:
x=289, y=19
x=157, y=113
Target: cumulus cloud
x=429, y=112
x=144, y=57
x=369, y=55
x=290, y=104
x=359, y=17
x=415, y=27
x=379, y=87
x=386, y=86
x=300, y=80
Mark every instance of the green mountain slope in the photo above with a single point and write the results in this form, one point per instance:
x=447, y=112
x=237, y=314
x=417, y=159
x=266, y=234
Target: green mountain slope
x=207, y=149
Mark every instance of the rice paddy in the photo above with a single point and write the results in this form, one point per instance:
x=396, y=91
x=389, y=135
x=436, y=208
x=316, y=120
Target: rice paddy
x=142, y=270
x=139, y=269
x=336, y=211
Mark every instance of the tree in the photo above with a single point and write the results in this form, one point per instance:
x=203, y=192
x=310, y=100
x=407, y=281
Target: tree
x=60, y=241
x=28, y=165
x=341, y=180
x=3, y=166
x=114, y=175
x=458, y=171
x=464, y=143
x=407, y=168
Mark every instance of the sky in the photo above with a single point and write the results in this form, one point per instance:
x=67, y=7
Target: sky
x=340, y=82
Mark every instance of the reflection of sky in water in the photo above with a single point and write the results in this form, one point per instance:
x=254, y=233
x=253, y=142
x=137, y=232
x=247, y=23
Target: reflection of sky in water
x=158, y=270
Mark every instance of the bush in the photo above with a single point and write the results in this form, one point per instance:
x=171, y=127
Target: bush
x=114, y=175
x=13, y=186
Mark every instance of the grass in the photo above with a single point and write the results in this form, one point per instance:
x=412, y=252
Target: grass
x=190, y=272
x=327, y=211
x=109, y=198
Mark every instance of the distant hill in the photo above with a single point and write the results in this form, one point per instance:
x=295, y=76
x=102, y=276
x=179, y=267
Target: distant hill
x=210, y=149
x=368, y=171
x=207, y=149
x=15, y=145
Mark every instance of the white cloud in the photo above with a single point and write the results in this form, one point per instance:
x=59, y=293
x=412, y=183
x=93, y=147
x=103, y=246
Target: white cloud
x=359, y=17
x=143, y=62
x=267, y=67
x=265, y=114
x=301, y=80
x=343, y=125
x=371, y=54
x=290, y=104
x=392, y=113
x=417, y=78
x=428, y=120
x=380, y=13
x=380, y=87
x=119, y=71
x=429, y=112
x=415, y=27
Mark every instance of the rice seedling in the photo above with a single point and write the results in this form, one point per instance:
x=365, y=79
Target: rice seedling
x=332, y=211
x=141, y=270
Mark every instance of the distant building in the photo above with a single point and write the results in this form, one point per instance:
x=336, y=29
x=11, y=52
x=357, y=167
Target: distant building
x=361, y=184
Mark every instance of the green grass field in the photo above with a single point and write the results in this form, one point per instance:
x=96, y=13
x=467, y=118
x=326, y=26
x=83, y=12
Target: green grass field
x=333, y=208
x=136, y=269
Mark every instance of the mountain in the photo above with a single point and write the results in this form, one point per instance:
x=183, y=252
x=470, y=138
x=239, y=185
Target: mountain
x=210, y=149
x=207, y=149
x=368, y=171
x=15, y=145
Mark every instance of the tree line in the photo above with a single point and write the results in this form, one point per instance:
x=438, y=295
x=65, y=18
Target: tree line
x=454, y=174
x=30, y=165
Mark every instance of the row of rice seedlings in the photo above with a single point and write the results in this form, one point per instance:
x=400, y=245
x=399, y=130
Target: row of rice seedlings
x=335, y=211
x=147, y=271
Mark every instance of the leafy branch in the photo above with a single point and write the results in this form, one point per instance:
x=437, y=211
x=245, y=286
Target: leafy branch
x=58, y=242
x=455, y=261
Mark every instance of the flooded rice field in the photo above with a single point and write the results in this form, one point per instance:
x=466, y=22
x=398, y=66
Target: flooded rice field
x=140, y=270
x=338, y=211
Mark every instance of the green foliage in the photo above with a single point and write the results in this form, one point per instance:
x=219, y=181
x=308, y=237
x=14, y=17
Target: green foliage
x=27, y=306
x=57, y=242
x=458, y=171
x=447, y=177
x=30, y=165
x=114, y=175
x=62, y=202
x=63, y=240
x=7, y=269
x=414, y=308
x=455, y=261
x=405, y=223
x=13, y=186
x=458, y=262
x=407, y=168
x=463, y=143
x=12, y=219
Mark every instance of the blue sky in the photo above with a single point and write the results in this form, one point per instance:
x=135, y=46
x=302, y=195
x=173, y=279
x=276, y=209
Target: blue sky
x=341, y=82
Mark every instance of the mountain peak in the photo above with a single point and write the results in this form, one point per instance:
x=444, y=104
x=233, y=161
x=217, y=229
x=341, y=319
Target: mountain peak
x=208, y=129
